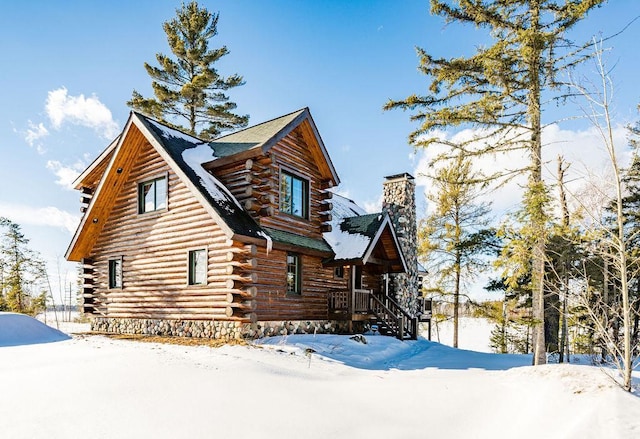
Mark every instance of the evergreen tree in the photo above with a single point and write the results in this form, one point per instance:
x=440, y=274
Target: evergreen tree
x=21, y=272
x=499, y=90
x=189, y=86
x=454, y=237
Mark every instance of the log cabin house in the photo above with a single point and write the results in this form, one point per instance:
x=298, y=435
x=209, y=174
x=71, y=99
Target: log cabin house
x=239, y=237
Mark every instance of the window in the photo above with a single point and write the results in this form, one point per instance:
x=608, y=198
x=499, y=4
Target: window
x=152, y=195
x=338, y=272
x=294, y=195
x=198, y=267
x=294, y=274
x=115, y=273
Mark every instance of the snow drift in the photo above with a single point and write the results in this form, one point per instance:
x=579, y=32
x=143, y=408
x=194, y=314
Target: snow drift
x=19, y=329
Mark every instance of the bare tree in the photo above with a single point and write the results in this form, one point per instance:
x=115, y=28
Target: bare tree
x=610, y=309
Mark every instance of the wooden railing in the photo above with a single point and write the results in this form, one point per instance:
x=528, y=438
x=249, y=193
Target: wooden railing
x=352, y=302
x=339, y=300
x=396, y=319
x=361, y=301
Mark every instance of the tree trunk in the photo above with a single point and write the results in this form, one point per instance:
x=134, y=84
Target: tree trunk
x=456, y=302
x=536, y=184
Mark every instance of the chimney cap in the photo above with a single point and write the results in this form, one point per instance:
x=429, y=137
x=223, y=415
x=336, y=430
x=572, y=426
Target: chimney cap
x=403, y=176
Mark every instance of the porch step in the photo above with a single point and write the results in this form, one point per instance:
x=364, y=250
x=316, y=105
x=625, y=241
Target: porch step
x=386, y=329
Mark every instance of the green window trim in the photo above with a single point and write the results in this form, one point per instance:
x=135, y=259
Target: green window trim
x=198, y=267
x=294, y=195
x=153, y=195
x=294, y=274
x=115, y=273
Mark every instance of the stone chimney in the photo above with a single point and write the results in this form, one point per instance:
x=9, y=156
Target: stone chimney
x=399, y=202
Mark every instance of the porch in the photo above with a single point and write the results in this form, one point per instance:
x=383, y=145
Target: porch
x=379, y=309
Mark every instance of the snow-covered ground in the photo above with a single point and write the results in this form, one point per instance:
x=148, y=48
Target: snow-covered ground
x=299, y=386
x=473, y=333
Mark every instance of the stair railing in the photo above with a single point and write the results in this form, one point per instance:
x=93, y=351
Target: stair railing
x=399, y=321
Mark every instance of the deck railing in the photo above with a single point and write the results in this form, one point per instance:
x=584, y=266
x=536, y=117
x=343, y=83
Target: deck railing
x=351, y=302
x=398, y=321
x=339, y=300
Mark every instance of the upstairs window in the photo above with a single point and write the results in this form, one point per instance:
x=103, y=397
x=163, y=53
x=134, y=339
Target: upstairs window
x=294, y=195
x=198, y=267
x=152, y=195
x=294, y=274
x=115, y=273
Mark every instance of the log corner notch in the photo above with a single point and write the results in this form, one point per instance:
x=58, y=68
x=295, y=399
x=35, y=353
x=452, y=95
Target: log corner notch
x=241, y=298
x=88, y=285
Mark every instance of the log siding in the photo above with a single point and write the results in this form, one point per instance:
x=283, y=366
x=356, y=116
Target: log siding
x=245, y=283
x=154, y=250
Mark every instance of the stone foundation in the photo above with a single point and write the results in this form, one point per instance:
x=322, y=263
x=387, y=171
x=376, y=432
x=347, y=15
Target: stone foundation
x=220, y=330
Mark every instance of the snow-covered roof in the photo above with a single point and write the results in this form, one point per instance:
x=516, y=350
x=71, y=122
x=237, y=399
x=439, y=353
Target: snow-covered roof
x=354, y=234
x=189, y=153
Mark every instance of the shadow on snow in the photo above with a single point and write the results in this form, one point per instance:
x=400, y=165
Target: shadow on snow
x=386, y=353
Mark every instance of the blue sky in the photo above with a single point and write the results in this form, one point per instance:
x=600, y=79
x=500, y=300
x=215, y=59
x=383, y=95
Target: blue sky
x=68, y=68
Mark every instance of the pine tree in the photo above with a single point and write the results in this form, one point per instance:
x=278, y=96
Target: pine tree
x=189, y=86
x=21, y=270
x=499, y=91
x=454, y=238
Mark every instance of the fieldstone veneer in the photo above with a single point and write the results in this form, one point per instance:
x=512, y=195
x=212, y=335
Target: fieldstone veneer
x=219, y=330
x=399, y=201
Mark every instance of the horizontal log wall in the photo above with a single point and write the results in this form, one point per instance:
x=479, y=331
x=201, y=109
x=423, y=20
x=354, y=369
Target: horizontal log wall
x=293, y=154
x=274, y=303
x=256, y=184
x=154, y=247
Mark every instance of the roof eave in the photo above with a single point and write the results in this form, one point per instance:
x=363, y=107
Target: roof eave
x=385, y=222
x=71, y=253
x=77, y=183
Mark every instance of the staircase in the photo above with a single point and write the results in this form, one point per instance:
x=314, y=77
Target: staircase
x=379, y=309
x=392, y=319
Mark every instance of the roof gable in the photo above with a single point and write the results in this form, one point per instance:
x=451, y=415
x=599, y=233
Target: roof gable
x=259, y=139
x=184, y=155
x=356, y=237
x=187, y=153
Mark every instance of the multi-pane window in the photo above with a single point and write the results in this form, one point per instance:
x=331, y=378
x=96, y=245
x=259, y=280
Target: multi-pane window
x=198, y=267
x=338, y=272
x=115, y=273
x=294, y=274
x=152, y=195
x=294, y=195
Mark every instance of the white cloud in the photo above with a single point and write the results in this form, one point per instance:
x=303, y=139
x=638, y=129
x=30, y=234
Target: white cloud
x=40, y=216
x=373, y=206
x=33, y=135
x=79, y=110
x=66, y=174
x=583, y=149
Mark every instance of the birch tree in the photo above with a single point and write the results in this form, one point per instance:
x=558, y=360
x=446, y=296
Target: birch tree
x=500, y=91
x=612, y=318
